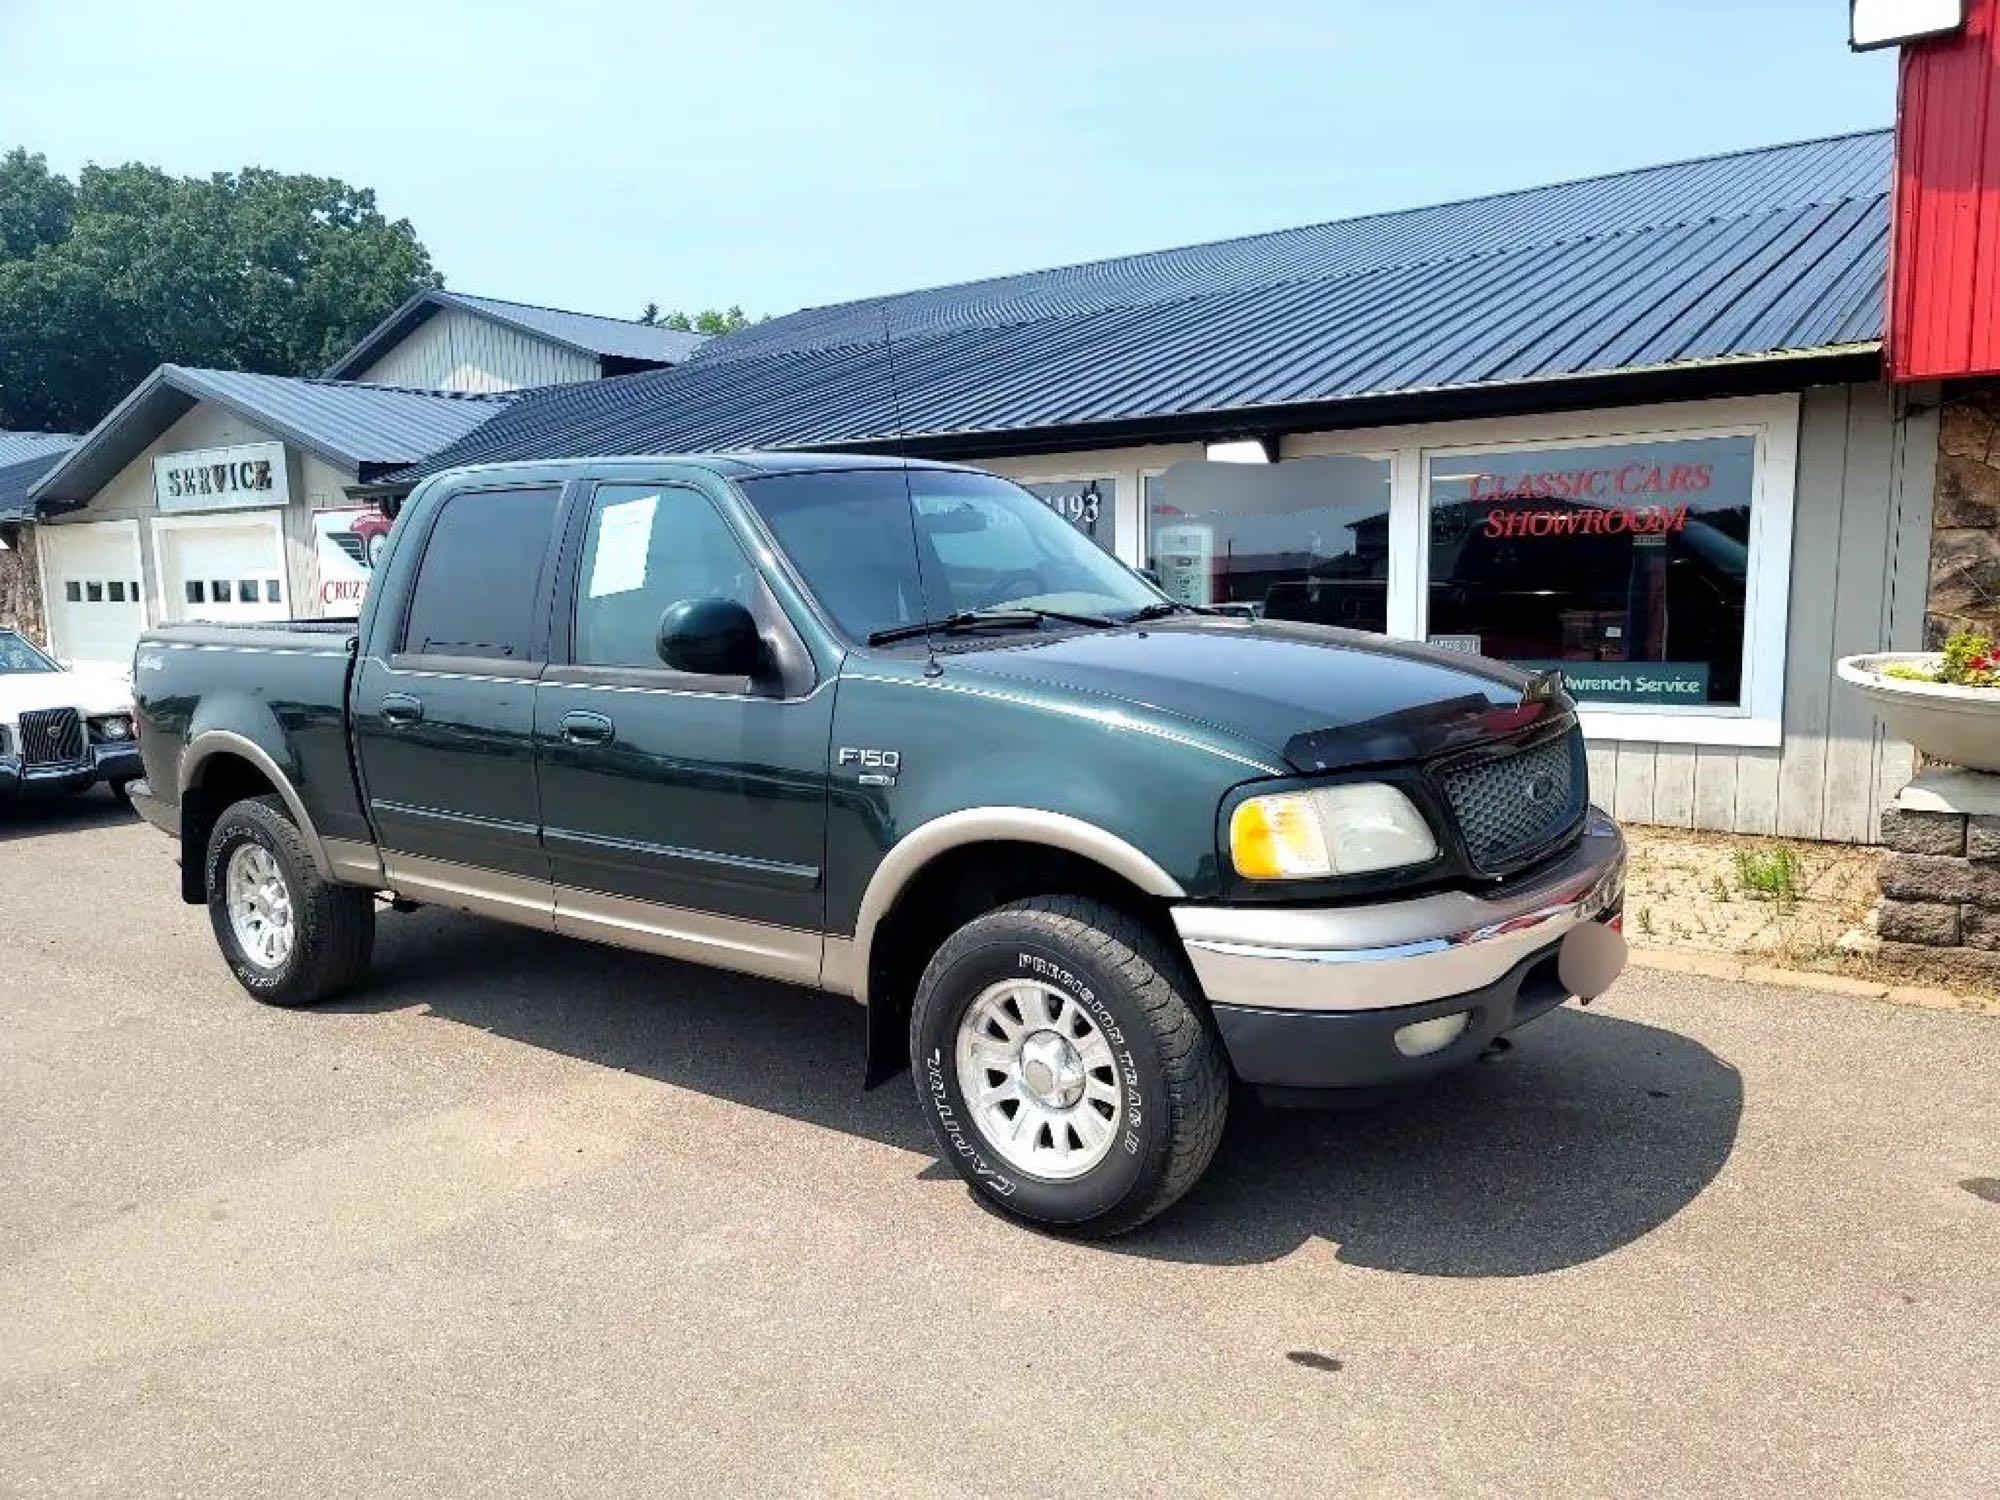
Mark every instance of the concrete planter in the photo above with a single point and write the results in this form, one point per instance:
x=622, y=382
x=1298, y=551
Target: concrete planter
x=1956, y=724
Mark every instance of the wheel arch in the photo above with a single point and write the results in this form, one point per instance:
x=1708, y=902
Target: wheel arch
x=1002, y=844
x=221, y=764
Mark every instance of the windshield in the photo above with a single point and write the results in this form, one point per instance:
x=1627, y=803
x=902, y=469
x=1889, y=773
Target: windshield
x=16, y=655
x=879, y=555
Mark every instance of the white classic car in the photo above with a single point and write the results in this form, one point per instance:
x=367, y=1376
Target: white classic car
x=62, y=729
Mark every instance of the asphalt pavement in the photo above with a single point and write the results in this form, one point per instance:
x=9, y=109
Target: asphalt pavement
x=530, y=1217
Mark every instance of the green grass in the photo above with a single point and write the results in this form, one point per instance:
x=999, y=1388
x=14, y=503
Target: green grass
x=1768, y=874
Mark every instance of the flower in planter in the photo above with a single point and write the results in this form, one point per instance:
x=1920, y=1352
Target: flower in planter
x=1971, y=659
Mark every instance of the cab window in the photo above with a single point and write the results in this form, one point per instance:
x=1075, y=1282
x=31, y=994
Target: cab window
x=647, y=547
x=478, y=590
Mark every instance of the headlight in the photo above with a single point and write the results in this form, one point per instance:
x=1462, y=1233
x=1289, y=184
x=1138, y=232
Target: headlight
x=113, y=727
x=1330, y=830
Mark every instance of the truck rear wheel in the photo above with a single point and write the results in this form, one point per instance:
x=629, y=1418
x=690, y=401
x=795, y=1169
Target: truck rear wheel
x=1066, y=1067
x=290, y=936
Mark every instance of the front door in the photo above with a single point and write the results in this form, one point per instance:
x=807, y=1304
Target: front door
x=444, y=715
x=682, y=813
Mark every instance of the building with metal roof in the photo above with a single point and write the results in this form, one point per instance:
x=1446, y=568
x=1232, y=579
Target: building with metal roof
x=452, y=341
x=1689, y=271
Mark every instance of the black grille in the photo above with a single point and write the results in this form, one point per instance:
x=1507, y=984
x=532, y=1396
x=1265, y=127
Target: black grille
x=1511, y=807
x=51, y=737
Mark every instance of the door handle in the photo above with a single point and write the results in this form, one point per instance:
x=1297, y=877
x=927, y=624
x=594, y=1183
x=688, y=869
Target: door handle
x=401, y=708
x=582, y=728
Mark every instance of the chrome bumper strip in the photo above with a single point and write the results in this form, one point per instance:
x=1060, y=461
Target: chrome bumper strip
x=1397, y=952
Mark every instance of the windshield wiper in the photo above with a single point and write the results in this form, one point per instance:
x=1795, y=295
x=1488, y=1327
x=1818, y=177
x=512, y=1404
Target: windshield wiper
x=1164, y=608
x=1004, y=618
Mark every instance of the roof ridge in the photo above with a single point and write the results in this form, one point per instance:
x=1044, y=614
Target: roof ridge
x=1386, y=213
x=354, y=385
x=567, y=312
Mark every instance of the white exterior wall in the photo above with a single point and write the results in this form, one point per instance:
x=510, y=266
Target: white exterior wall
x=1860, y=558
x=129, y=496
x=454, y=350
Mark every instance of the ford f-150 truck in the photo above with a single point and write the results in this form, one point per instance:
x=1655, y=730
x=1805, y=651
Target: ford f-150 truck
x=1088, y=856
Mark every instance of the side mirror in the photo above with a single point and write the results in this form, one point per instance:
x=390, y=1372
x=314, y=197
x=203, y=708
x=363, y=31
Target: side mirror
x=712, y=637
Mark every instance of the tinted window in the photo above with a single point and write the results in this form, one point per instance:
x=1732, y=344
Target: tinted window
x=478, y=589
x=645, y=549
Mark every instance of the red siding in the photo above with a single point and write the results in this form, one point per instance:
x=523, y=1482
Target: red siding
x=1944, y=313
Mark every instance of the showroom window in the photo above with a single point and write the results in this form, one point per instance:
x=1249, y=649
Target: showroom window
x=1626, y=565
x=1307, y=539
x=1643, y=551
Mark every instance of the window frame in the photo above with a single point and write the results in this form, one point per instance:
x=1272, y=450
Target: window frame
x=793, y=672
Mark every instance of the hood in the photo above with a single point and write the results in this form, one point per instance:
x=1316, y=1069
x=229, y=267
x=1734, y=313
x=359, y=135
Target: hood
x=1321, y=698
x=101, y=691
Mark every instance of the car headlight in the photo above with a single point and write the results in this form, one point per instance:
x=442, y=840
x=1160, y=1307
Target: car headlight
x=1330, y=830
x=112, y=727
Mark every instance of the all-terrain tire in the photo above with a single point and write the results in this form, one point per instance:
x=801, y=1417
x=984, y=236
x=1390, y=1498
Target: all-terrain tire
x=333, y=926
x=1135, y=988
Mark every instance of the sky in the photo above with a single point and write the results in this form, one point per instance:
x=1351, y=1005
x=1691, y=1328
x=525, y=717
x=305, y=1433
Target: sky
x=597, y=156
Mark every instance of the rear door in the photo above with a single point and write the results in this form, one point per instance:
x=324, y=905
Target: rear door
x=444, y=706
x=682, y=813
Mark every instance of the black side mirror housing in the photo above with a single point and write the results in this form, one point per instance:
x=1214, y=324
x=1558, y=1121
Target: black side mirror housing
x=711, y=637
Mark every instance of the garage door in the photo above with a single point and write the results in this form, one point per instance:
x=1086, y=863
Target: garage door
x=91, y=576
x=222, y=568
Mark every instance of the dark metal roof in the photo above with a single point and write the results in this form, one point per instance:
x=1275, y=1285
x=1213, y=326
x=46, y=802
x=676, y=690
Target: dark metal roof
x=584, y=333
x=361, y=428
x=1772, y=253
x=16, y=479
x=17, y=447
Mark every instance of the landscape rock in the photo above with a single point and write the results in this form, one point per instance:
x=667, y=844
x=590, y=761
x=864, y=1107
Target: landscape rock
x=1923, y=832
x=1932, y=924
x=1937, y=877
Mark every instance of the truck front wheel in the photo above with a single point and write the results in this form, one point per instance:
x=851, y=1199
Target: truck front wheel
x=1066, y=1067
x=290, y=936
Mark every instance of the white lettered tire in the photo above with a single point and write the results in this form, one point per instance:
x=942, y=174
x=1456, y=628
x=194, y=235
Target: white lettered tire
x=1066, y=1065
x=290, y=936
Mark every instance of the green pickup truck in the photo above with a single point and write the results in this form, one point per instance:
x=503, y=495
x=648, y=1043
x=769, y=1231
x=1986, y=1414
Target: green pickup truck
x=1088, y=857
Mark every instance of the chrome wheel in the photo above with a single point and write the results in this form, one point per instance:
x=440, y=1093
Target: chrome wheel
x=1039, y=1079
x=259, y=905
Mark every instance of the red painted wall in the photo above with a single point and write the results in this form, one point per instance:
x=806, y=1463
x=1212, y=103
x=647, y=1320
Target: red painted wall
x=1944, y=309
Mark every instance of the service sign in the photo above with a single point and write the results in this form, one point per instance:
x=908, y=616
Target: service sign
x=244, y=477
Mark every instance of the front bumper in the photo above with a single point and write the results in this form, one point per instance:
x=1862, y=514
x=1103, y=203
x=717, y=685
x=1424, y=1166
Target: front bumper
x=1315, y=998
x=102, y=762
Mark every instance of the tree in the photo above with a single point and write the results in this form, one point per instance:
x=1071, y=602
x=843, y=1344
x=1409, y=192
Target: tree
x=132, y=268
x=710, y=320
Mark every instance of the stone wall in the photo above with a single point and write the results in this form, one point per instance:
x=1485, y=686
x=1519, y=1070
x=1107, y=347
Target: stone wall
x=1941, y=882
x=20, y=586
x=1965, y=526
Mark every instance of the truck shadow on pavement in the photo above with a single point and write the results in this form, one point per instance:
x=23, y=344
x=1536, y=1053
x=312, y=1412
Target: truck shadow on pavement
x=1591, y=1132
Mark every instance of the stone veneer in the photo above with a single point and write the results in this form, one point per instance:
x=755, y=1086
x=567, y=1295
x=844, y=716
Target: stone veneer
x=1941, y=879
x=1965, y=526
x=20, y=589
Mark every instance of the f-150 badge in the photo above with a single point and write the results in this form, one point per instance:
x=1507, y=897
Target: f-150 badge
x=876, y=767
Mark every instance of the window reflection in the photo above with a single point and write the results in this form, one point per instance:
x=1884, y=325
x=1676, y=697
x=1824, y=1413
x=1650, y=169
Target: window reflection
x=1306, y=539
